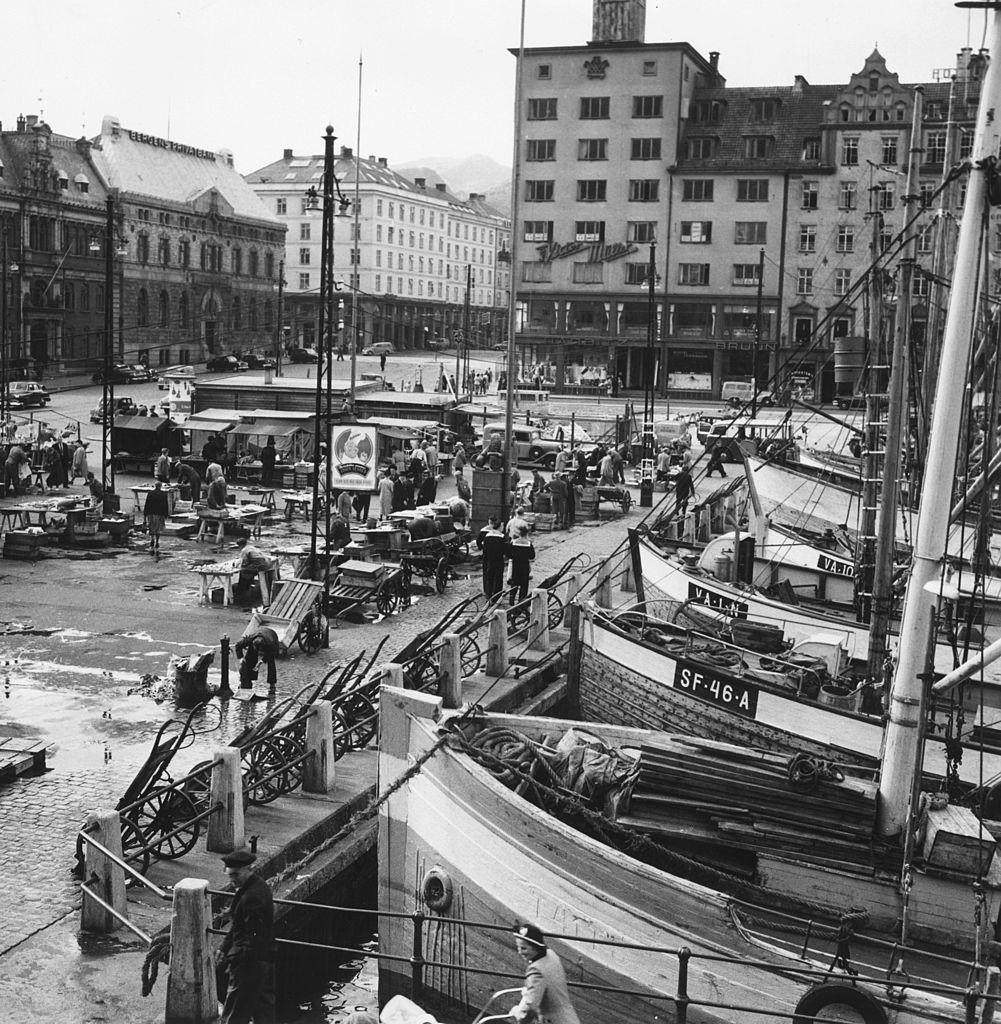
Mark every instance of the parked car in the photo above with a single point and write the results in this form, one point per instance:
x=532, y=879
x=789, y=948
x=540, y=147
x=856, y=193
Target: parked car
x=258, y=362
x=174, y=373
x=303, y=355
x=437, y=344
x=141, y=372
x=536, y=447
x=124, y=406
x=741, y=392
x=499, y=346
x=122, y=373
x=224, y=364
x=380, y=348
x=24, y=393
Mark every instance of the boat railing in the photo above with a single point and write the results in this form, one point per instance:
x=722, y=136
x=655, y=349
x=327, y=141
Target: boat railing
x=887, y=989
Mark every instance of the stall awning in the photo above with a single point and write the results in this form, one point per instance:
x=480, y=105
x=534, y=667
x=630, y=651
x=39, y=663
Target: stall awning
x=147, y=424
x=270, y=428
x=214, y=426
x=393, y=426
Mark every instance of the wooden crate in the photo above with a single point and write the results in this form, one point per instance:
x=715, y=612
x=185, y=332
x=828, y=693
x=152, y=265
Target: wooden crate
x=22, y=545
x=544, y=522
x=368, y=572
x=953, y=841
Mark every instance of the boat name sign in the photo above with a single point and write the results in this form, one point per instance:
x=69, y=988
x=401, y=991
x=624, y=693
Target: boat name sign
x=712, y=599
x=727, y=693
x=838, y=566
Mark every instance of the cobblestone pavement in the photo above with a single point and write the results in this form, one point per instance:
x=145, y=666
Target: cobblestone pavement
x=78, y=633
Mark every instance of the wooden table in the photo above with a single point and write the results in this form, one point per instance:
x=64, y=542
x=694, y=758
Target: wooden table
x=267, y=496
x=11, y=519
x=249, y=472
x=245, y=514
x=297, y=502
x=173, y=492
x=225, y=574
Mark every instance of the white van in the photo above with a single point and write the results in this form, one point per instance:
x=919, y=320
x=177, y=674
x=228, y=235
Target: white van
x=740, y=392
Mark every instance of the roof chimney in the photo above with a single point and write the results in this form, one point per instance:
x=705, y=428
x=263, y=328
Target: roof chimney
x=31, y=120
x=371, y=159
x=441, y=186
x=800, y=83
x=618, y=21
x=383, y=162
x=346, y=153
x=714, y=59
x=421, y=182
x=288, y=154
x=20, y=122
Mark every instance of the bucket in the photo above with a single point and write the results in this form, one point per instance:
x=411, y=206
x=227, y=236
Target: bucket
x=723, y=567
x=837, y=696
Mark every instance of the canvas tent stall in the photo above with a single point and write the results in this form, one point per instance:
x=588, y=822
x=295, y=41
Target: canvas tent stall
x=399, y=433
x=142, y=436
x=293, y=437
x=210, y=423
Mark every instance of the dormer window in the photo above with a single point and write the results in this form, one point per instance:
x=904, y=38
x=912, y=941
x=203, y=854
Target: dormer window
x=763, y=111
x=81, y=182
x=62, y=181
x=874, y=83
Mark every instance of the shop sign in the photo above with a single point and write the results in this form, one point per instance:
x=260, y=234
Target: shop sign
x=597, y=252
x=690, y=381
x=353, y=466
x=175, y=147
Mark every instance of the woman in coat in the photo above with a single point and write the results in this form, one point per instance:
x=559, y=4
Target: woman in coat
x=155, y=512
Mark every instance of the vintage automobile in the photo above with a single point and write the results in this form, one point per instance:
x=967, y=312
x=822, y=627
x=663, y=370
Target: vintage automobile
x=22, y=394
x=380, y=348
x=123, y=373
x=224, y=364
x=124, y=406
x=537, y=447
x=303, y=355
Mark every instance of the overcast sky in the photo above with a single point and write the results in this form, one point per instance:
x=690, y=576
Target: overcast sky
x=257, y=77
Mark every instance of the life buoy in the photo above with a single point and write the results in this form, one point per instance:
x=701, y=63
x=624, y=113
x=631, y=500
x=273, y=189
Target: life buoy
x=437, y=890
x=820, y=997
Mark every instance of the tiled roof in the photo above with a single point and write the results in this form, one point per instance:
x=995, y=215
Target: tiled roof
x=299, y=171
x=172, y=174
x=799, y=116
x=67, y=161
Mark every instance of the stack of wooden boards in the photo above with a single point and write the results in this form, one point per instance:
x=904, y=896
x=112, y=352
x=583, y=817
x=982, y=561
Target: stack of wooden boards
x=700, y=791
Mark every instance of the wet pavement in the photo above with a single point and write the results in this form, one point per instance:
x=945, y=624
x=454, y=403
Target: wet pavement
x=78, y=632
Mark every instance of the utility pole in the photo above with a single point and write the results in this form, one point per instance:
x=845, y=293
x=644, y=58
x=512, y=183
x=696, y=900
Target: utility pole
x=279, y=334
x=108, y=390
x=757, y=332
x=4, y=399
x=465, y=311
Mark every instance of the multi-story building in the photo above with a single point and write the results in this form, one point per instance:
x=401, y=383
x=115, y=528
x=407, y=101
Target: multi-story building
x=197, y=270
x=406, y=268
x=52, y=213
x=796, y=189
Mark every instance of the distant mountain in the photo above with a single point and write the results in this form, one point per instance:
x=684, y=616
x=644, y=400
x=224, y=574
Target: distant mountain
x=463, y=175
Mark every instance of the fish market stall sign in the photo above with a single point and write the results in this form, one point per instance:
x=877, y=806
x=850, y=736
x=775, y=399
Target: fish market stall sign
x=353, y=466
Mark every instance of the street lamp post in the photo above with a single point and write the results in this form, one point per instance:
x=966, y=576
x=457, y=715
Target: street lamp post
x=649, y=384
x=108, y=392
x=280, y=328
x=4, y=335
x=325, y=365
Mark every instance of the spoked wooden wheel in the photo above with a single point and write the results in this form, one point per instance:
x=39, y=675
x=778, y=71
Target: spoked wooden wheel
x=385, y=600
x=289, y=749
x=470, y=655
x=166, y=812
x=258, y=762
x=311, y=632
x=361, y=716
x=441, y=575
x=421, y=674
x=132, y=843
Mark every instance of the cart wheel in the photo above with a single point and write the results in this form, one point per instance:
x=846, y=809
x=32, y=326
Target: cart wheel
x=627, y=500
x=258, y=762
x=470, y=656
x=343, y=737
x=421, y=674
x=363, y=718
x=403, y=592
x=166, y=812
x=196, y=786
x=311, y=631
x=385, y=600
x=288, y=750
x=554, y=609
x=132, y=844
x=441, y=575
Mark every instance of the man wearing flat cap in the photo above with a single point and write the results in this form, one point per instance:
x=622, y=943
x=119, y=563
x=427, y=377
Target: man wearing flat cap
x=248, y=951
x=545, y=998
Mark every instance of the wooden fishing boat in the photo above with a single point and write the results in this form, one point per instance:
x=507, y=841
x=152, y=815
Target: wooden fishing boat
x=461, y=847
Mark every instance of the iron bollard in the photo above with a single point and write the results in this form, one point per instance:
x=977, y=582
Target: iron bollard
x=681, y=1003
x=224, y=687
x=417, y=957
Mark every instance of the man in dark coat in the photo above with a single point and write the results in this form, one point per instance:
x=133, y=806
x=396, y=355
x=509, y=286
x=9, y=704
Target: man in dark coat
x=491, y=542
x=268, y=455
x=716, y=458
x=684, y=490
x=248, y=950
x=261, y=645
x=187, y=474
x=558, y=490
x=400, y=493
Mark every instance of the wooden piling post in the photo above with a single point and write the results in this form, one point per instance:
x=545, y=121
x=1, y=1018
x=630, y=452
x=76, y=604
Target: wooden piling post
x=628, y=584
x=573, y=587
x=392, y=675
x=705, y=528
x=104, y=876
x=497, y=659
x=603, y=595
x=538, y=630
x=191, y=989
x=450, y=671
x=225, y=831
x=318, y=770
x=688, y=528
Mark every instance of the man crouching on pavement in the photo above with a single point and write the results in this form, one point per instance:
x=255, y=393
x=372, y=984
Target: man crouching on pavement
x=261, y=645
x=247, y=954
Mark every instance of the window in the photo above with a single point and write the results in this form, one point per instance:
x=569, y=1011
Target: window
x=965, y=143
x=644, y=190
x=645, y=149
x=705, y=112
x=591, y=190
x=637, y=273
x=848, y=195
x=252, y=264
x=745, y=273
x=543, y=71
x=649, y=67
x=142, y=308
x=802, y=330
x=236, y=261
x=184, y=253
x=811, y=149
x=164, y=310
x=356, y=257
x=648, y=106
x=849, y=150
x=183, y=315
x=142, y=248
x=889, y=149
x=642, y=230
x=763, y=111
x=589, y=231
x=539, y=191
x=538, y=230
x=698, y=232
x=281, y=205
x=697, y=190
x=304, y=232
x=804, y=281
x=535, y=271
x=592, y=149
x=541, y=149
x=752, y=190
x=693, y=273
x=935, y=148
x=921, y=285
x=886, y=195
x=846, y=238
x=758, y=147
x=594, y=108
x=84, y=298
x=304, y=282
x=925, y=239
x=588, y=273
x=304, y=257
x=236, y=314
x=701, y=147
x=885, y=237
x=807, y=238
x=69, y=300
x=163, y=252
x=810, y=195
x=842, y=281
x=542, y=109
x=750, y=232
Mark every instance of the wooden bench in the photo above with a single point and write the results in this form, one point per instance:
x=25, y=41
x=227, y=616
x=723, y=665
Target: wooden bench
x=285, y=614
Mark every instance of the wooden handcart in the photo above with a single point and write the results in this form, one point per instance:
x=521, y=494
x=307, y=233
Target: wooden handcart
x=295, y=615
x=360, y=583
x=428, y=559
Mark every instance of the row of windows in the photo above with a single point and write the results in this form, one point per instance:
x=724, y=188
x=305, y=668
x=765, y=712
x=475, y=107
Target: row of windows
x=763, y=111
x=240, y=314
x=593, y=190
x=544, y=72
x=756, y=190
x=700, y=232
x=595, y=108
x=639, y=231
x=541, y=272
x=210, y=256
x=543, y=150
